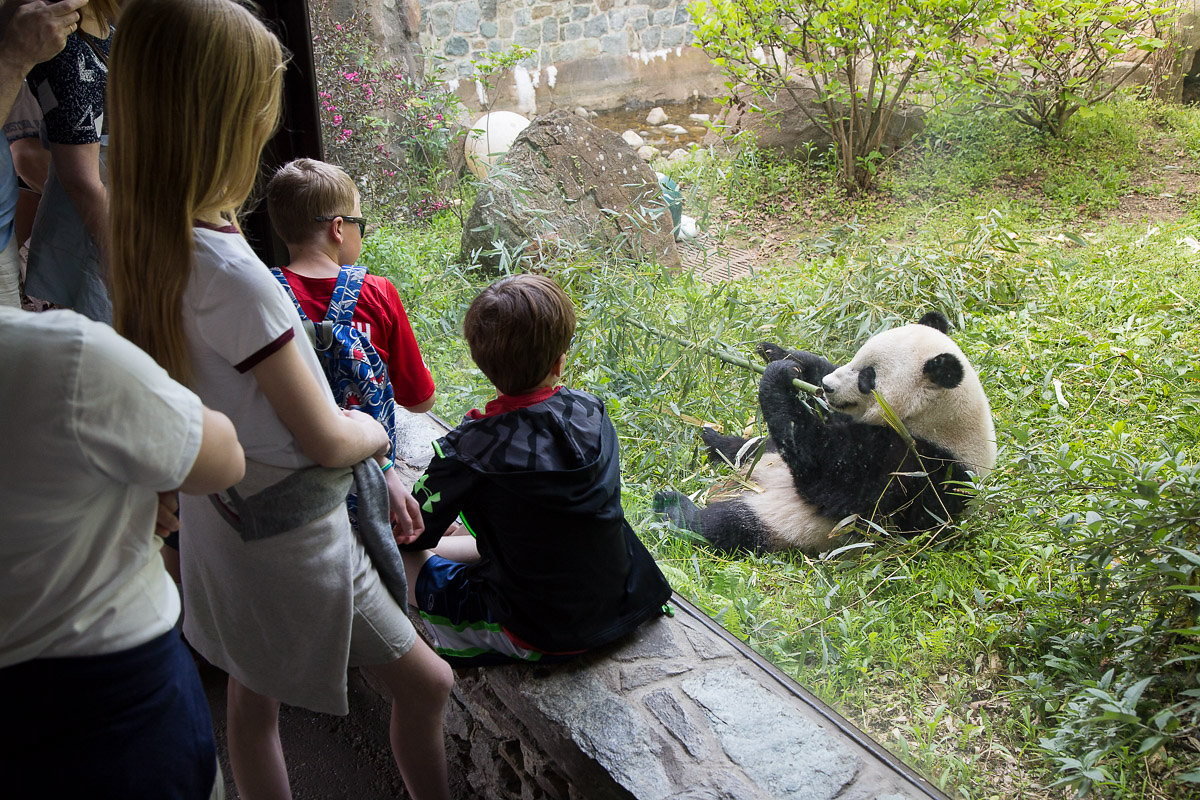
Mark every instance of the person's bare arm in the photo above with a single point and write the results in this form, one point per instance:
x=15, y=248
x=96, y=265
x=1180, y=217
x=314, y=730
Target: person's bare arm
x=77, y=167
x=220, y=462
x=407, y=523
x=330, y=437
x=421, y=408
x=31, y=31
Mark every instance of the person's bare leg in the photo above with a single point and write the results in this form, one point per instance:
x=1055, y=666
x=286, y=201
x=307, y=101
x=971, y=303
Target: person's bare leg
x=255, y=753
x=420, y=684
x=413, y=561
x=458, y=548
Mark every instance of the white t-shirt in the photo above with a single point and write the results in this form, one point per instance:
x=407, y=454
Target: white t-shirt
x=235, y=314
x=92, y=429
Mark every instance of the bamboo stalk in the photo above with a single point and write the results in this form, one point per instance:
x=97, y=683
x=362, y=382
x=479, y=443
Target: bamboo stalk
x=713, y=350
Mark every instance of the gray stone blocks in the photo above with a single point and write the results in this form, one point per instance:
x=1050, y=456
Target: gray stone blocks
x=558, y=31
x=674, y=712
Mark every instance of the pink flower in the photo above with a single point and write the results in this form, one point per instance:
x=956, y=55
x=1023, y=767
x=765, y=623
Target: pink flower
x=337, y=119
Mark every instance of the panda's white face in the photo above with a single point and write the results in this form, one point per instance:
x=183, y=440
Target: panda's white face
x=923, y=375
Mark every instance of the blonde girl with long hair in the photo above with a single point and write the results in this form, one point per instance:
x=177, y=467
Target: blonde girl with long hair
x=195, y=95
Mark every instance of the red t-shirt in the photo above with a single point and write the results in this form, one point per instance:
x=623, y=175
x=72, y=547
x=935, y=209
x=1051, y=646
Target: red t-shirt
x=380, y=316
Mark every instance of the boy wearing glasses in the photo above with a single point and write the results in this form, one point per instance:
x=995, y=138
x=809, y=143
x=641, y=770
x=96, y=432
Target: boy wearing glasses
x=314, y=208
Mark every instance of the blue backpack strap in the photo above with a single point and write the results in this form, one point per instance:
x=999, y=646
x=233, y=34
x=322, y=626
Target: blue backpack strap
x=279, y=276
x=345, y=294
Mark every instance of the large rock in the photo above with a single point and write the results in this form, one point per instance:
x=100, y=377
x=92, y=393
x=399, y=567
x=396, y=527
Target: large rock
x=395, y=25
x=567, y=181
x=782, y=124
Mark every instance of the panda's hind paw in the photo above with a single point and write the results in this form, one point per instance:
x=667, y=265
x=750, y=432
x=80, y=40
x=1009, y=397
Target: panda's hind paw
x=680, y=510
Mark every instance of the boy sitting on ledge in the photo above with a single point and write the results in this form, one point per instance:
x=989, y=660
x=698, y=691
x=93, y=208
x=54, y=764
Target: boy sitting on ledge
x=551, y=568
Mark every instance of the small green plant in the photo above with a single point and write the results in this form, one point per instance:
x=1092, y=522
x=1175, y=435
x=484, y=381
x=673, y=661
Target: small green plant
x=1122, y=677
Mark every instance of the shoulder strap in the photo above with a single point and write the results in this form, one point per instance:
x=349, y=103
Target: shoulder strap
x=279, y=276
x=345, y=294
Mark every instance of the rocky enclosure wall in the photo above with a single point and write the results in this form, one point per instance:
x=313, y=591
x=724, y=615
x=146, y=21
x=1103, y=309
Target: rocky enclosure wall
x=600, y=54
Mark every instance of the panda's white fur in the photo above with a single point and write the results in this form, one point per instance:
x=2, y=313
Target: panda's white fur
x=773, y=514
x=791, y=522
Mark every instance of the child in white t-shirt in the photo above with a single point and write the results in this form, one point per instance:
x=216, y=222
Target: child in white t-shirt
x=283, y=599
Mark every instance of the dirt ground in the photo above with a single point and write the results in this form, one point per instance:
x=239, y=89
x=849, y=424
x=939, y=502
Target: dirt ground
x=327, y=756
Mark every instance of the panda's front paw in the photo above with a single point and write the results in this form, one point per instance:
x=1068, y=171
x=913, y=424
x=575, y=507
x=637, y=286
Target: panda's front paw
x=781, y=374
x=770, y=352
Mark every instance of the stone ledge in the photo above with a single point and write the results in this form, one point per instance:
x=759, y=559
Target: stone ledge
x=678, y=710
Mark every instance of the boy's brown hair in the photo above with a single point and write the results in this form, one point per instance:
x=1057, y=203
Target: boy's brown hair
x=303, y=190
x=517, y=328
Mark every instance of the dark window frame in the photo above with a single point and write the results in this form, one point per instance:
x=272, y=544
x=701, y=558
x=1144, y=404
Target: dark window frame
x=299, y=132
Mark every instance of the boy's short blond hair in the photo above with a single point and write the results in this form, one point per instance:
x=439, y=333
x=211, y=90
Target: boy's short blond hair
x=303, y=190
x=517, y=328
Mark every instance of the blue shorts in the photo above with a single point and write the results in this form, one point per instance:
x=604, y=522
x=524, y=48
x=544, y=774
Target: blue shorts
x=462, y=627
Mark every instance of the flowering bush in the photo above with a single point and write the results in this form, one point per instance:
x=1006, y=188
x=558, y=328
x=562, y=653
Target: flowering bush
x=390, y=130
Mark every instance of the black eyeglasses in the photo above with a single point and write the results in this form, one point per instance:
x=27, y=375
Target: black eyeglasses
x=361, y=222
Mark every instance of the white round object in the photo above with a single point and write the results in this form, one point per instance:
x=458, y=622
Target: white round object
x=633, y=139
x=490, y=137
x=656, y=116
x=688, y=229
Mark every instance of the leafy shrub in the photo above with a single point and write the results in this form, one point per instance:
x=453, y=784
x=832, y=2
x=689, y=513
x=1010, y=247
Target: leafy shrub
x=864, y=61
x=1119, y=676
x=1043, y=60
x=391, y=131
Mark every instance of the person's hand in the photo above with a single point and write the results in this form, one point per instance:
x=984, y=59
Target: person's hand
x=36, y=31
x=377, y=433
x=407, y=523
x=168, y=514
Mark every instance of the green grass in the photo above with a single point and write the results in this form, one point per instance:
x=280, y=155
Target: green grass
x=1006, y=657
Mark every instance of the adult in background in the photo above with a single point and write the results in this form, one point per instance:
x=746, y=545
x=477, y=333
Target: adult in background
x=29, y=33
x=101, y=699
x=68, y=250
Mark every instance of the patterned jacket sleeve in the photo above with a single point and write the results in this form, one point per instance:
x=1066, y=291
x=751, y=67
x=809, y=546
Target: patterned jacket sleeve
x=441, y=493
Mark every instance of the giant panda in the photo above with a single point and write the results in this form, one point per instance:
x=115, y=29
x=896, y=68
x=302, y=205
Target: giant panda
x=820, y=467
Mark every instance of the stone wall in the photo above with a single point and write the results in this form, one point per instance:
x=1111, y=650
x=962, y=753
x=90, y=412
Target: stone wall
x=597, y=53
x=679, y=711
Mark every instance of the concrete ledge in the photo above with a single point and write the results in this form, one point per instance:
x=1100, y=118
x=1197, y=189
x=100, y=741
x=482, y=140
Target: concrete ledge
x=679, y=710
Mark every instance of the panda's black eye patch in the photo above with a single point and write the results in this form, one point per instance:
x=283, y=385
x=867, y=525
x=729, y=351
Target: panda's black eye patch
x=945, y=370
x=866, y=380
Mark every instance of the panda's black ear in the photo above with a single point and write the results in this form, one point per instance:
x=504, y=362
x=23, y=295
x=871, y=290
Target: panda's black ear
x=936, y=320
x=945, y=370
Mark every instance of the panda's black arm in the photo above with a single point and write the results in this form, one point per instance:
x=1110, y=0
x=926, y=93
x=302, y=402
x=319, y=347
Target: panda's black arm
x=812, y=366
x=794, y=425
